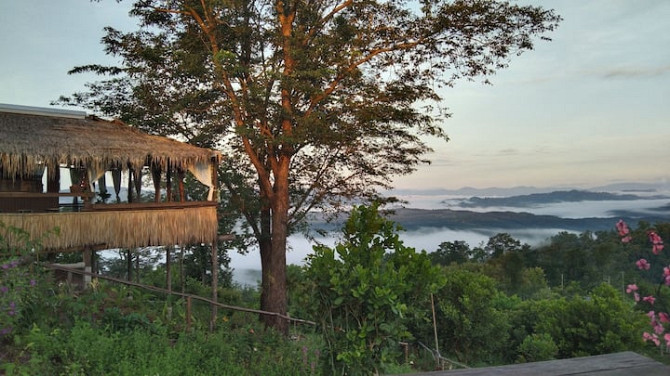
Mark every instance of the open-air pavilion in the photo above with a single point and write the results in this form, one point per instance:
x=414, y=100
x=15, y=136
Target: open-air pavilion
x=54, y=169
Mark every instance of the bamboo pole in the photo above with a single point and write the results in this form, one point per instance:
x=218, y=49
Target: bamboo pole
x=188, y=313
x=432, y=304
x=137, y=265
x=168, y=264
x=129, y=262
x=87, y=266
x=215, y=284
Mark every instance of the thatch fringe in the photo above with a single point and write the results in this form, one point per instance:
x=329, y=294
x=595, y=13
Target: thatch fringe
x=132, y=228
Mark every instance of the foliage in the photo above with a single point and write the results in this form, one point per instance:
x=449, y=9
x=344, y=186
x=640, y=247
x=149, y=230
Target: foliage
x=148, y=265
x=537, y=347
x=457, y=252
x=588, y=258
x=365, y=292
x=89, y=350
x=112, y=329
x=470, y=326
x=305, y=128
x=600, y=323
x=19, y=282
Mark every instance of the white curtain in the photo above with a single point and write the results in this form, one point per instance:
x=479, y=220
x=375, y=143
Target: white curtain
x=203, y=172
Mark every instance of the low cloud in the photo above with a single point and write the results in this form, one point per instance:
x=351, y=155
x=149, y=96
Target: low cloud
x=636, y=72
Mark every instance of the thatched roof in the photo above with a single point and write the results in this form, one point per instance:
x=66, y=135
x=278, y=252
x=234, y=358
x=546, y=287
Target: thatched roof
x=29, y=139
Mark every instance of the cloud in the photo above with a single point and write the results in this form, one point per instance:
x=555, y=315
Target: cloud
x=636, y=72
x=508, y=152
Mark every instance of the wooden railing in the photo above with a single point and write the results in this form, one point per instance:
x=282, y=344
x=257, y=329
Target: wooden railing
x=26, y=202
x=188, y=297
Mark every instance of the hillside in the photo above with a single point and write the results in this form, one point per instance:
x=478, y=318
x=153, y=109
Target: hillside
x=534, y=199
x=412, y=219
x=517, y=212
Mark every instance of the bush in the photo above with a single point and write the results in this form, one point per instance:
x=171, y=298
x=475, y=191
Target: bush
x=537, y=347
x=364, y=297
x=470, y=325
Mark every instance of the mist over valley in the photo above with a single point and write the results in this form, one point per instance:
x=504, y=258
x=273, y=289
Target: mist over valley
x=531, y=215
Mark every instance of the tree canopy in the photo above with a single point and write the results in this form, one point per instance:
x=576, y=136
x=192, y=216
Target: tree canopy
x=314, y=102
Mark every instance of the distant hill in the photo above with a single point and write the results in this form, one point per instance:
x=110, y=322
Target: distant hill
x=411, y=219
x=535, y=199
x=414, y=219
x=628, y=187
x=470, y=191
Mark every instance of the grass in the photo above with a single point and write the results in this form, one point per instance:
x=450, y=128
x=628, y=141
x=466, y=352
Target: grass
x=118, y=330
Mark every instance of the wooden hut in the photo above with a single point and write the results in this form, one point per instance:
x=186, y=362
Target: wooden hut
x=52, y=169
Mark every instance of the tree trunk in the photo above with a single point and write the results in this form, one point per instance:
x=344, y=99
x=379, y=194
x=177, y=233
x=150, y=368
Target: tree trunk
x=273, y=254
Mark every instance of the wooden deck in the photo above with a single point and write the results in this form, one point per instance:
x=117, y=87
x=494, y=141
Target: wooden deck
x=619, y=364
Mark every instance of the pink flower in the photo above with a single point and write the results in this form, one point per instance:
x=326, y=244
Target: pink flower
x=666, y=337
x=656, y=241
x=643, y=264
x=651, y=337
x=636, y=296
x=658, y=328
x=666, y=275
x=664, y=317
x=652, y=316
x=649, y=299
x=630, y=288
x=622, y=228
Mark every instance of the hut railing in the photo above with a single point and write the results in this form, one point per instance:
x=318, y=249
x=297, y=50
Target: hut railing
x=28, y=202
x=188, y=297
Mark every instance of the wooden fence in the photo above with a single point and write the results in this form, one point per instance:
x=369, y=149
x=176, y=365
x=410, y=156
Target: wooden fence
x=189, y=297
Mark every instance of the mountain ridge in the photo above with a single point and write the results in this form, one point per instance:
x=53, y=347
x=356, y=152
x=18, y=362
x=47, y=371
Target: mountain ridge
x=640, y=187
x=553, y=197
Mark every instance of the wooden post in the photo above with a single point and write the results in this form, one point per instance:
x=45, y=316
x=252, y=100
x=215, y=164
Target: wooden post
x=188, y=313
x=432, y=304
x=168, y=276
x=156, y=176
x=116, y=179
x=168, y=280
x=215, y=259
x=87, y=266
x=182, y=193
x=137, y=266
x=130, y=184
x=215, y=284
x=53, y=179
x=137, y=179
x=182, y=280
x=129, y=261
x=168, y=184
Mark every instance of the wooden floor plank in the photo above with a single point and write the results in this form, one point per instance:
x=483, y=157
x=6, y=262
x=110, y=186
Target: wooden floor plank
x=618, y=364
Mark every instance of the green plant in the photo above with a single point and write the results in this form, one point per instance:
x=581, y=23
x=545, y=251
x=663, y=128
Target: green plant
x=18, y=280
x=470, y=326
x=537, y=347
x=365, y=292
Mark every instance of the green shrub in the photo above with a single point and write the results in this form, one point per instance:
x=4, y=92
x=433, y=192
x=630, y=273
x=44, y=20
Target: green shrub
x=537, y=347
x=366, y=291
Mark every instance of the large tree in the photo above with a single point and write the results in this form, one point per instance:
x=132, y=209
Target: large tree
x=315, y=102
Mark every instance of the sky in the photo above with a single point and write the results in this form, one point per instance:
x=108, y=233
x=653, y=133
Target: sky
x=591, y=107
